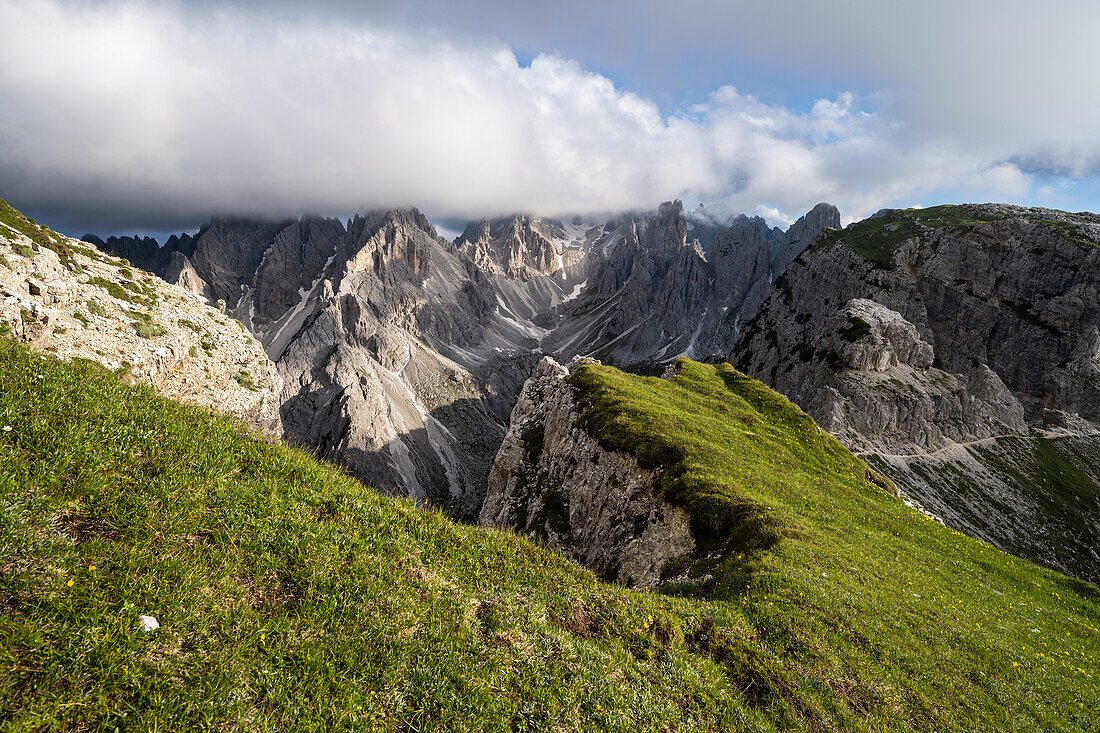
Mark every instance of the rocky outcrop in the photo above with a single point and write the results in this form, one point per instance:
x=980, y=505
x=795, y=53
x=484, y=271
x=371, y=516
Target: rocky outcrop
x=518, y=247
x=917, y=331
x=75, y=302
x=877, y=388
x=552, y=480
x=386, y=358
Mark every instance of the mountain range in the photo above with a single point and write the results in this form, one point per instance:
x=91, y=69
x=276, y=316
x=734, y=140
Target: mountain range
x=954, y=347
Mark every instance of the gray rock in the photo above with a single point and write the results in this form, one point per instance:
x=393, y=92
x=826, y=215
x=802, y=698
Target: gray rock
x=920, y=334
x=655, y=296
x=552, y=480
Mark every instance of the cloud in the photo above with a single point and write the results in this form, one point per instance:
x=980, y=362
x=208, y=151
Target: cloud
x=148, y=115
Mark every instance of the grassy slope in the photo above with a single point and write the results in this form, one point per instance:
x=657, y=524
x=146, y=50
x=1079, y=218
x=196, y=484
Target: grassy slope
x=1050, y=476
x=907, y=621
x=292, y=597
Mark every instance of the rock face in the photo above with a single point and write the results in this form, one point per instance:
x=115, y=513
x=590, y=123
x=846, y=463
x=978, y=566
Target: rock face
x=519, y=247
x=654, y=294
x=915, y=332
x=73, y=301
x=552, y=480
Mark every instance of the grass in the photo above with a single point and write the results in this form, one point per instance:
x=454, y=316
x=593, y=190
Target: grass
x=148, y=330
x=138, y=293
x=1072, y=232
x=841, y=571
x=877, y=239
x=145, y=325
x=113, y=289
x=40, y=235
x=244, y=379
x=291, y=597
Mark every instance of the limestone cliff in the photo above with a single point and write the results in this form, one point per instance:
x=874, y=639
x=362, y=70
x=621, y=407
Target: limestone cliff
x=63, y=298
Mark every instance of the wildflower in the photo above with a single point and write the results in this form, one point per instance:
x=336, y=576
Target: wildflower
x=91, y=568
x=70, y=583
x=7, y=428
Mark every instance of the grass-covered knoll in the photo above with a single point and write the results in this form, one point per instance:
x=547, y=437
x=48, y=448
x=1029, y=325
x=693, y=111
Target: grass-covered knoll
x=291, y=597
x=878, y=237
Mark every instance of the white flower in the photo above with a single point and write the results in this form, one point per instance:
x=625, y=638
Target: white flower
x=7, y=428
x=149, y=623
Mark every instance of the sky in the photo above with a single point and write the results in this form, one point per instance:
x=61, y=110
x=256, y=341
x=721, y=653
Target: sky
x=152, y=115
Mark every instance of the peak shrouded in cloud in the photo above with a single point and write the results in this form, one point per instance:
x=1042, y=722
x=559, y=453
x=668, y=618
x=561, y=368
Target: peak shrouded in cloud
x=148, y=115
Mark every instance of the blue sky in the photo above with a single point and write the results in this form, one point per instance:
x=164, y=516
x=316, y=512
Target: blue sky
x=151, y=115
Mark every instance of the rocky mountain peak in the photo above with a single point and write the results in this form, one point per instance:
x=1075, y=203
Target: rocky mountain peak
x=519, y=246
x=667, y=233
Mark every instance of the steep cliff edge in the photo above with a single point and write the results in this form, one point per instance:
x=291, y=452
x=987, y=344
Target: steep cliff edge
x=62, y=297
x=945, y=342
x=551, y=479
x=655, y=509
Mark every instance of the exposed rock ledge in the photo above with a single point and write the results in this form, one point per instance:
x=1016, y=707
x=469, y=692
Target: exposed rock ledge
x=93, y=306
x=551, y=479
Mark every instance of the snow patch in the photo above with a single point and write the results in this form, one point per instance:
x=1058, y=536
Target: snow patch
x=576, y=291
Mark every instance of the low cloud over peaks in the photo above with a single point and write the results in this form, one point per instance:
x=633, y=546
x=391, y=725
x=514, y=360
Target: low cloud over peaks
x=143, y=115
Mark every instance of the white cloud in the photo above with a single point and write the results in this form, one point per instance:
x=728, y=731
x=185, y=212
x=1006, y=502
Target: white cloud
x=140, y=114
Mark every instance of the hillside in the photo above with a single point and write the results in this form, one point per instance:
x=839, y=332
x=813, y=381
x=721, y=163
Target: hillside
x=289, y=596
